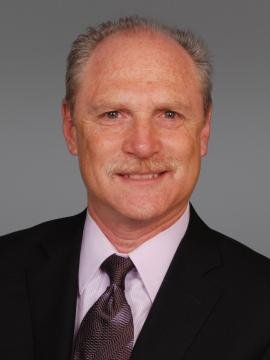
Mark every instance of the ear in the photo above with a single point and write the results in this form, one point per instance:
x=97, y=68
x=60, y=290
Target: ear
x=205, y=132
x=69, y=128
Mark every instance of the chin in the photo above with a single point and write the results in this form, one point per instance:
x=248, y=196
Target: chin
x=142, y=212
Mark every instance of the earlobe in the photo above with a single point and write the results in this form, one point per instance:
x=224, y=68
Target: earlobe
x=205, y=133
x=69, y=129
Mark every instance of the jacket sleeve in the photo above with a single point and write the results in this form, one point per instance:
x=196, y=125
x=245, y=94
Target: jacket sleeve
x=266, y=354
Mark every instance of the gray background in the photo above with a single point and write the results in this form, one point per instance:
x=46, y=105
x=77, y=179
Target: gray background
x=40, y=180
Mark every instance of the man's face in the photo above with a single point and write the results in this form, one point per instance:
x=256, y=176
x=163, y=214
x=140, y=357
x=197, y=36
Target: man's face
x=138, y=127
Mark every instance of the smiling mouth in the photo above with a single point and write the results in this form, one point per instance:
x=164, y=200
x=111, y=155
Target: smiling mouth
x=140, y=177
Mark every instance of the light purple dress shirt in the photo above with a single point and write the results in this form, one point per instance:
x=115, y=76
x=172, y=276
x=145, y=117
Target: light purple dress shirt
x=151, y=260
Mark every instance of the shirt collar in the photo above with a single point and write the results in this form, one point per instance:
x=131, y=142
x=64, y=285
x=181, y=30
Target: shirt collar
x=160, y=249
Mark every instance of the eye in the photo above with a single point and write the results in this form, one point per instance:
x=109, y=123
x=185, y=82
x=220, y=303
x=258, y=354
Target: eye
x=170, y=114
x=112, y=114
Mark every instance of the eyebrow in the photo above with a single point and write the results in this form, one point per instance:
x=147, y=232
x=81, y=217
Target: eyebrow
x=174, y=105
x=101, y=106
x=114, y=105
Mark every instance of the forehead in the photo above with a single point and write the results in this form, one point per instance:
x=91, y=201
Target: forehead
x=139, y=61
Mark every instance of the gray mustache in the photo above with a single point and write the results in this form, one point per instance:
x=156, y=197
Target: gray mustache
x=145, y=166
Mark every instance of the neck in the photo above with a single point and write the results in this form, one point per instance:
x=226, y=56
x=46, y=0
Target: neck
x=127, y=235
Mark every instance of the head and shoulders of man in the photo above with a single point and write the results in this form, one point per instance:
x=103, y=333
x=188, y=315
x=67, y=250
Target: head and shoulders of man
x=137, y=113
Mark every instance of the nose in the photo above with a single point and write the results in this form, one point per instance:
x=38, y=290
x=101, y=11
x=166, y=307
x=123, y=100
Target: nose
x=142, y=139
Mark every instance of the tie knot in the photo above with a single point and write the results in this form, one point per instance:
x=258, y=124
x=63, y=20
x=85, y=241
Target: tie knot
x=117, y=268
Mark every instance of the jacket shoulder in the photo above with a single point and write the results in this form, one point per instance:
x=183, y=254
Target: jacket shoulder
x=245, y=267
x=20, y=244
x=239, y=252
x=233, y=253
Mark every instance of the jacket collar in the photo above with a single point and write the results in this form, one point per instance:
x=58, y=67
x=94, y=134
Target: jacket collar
x=53, y=285
x=185, y=299
x=187, y=296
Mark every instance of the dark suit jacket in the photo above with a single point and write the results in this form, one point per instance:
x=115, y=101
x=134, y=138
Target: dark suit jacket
x=214, y=303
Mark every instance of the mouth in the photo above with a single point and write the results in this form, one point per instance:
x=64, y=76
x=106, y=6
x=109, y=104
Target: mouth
x=142, y=177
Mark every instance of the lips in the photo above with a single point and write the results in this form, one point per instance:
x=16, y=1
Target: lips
x=148, y=176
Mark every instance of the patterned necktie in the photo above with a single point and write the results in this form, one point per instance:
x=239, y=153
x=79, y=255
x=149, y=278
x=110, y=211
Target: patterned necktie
x=106, y=332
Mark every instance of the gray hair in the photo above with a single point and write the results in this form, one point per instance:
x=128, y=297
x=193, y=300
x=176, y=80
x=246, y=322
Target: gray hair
x=86, y=42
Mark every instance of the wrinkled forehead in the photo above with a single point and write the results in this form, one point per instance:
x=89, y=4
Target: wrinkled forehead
x=140, y=56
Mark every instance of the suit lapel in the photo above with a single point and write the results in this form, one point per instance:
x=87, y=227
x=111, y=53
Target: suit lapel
x=185, y=299
x=52, y=285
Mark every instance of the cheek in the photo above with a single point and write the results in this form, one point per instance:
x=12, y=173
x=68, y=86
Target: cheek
x=187, y=155
x=87, y=153
x=96, y=151
x=184, y=146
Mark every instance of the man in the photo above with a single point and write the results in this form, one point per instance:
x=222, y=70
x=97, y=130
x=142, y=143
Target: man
x=138, y=275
